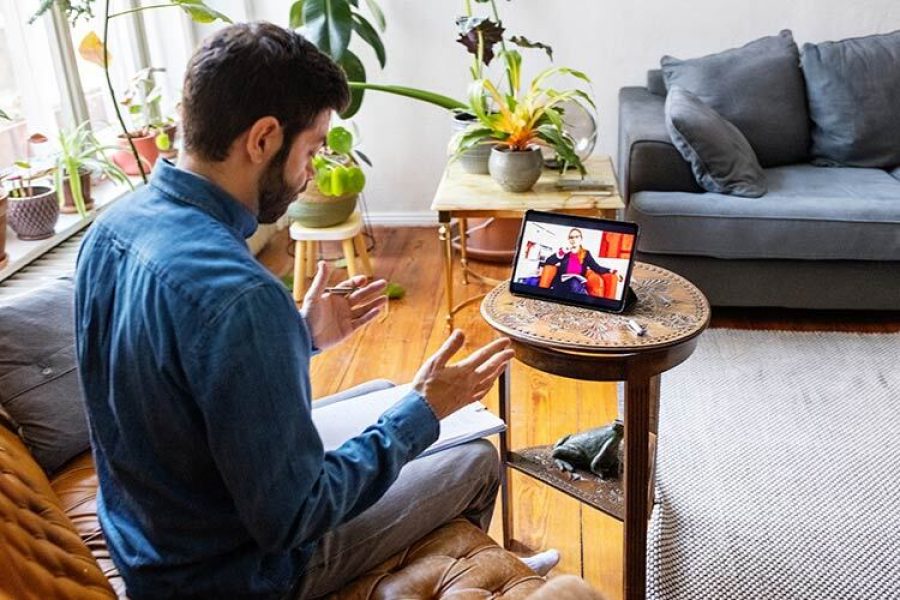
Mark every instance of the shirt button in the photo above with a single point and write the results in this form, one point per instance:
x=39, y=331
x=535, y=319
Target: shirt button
x=46, y=371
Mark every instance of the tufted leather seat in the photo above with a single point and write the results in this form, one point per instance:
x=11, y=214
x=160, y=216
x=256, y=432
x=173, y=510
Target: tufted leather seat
x=51, y=547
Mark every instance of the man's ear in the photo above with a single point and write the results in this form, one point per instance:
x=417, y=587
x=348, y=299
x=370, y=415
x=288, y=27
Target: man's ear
x=264, y=140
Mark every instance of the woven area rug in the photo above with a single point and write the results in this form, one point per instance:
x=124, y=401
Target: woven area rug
x=779, y=469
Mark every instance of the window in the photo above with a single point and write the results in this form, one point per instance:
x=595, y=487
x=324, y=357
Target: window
x=29, y=84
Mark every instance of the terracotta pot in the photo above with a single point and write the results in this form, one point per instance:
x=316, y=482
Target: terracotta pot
x=146, y=148
x=314, y=209
x=34, y=217
x=68, y=206
x=3, y=203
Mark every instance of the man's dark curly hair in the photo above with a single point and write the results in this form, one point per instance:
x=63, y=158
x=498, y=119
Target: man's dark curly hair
x=252, y=70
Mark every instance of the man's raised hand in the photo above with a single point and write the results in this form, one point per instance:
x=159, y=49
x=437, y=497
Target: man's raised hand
x=447, y=388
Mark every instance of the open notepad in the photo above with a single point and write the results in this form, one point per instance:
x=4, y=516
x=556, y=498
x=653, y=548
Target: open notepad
x=340, y=421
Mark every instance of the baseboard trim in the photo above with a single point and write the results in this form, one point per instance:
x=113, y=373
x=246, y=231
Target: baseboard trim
x=424, y=218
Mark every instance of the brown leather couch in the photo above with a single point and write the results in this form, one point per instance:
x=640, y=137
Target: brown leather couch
x=51, y=547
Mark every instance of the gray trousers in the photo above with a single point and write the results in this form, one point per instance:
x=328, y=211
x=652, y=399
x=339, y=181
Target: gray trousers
x=461, y=481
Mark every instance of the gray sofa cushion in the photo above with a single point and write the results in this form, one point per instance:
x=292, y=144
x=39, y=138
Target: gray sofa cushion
x=39, y=387
x=720, y=156
x=647, y=158
x=854, y=100
x=759, y=88
x=896, y=173
x=809, y=213
x=655, y=82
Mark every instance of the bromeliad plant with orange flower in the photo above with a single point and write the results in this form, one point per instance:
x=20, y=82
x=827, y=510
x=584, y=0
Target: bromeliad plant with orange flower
x=524, y=122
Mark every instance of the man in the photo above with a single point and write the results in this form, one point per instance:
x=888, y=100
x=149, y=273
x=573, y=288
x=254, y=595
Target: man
x=195, y=361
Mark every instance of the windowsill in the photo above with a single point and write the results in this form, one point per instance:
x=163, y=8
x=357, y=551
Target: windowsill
x=21, y=252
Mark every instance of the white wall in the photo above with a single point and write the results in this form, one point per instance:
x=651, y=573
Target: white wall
x=613, y=42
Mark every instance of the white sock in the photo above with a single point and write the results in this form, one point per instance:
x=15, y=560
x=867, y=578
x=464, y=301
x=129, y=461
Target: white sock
x=542, y=562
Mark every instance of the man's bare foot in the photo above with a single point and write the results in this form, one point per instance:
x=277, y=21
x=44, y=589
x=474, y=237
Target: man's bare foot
x=542, y=562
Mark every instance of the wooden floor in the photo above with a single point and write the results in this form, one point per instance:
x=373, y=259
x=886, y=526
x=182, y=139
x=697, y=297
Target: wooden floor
x=544, y=407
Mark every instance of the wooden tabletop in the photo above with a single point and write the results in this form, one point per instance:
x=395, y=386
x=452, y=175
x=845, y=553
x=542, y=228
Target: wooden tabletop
x=671, y=308
x=459, y=191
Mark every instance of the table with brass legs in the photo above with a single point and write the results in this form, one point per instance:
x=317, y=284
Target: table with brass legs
x=462, y=196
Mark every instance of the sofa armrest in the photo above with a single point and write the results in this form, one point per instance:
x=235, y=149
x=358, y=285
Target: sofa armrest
x=647, y=158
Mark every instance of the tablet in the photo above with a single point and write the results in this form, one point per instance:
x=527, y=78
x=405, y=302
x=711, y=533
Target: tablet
x=575, y=260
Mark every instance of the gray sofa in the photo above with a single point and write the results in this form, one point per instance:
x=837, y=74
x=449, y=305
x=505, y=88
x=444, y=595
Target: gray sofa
x=821, y=238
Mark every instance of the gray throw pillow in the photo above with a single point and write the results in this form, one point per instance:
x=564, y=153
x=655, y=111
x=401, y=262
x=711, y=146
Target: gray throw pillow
x=720, y=156
x=759, y=88
x=854, y=100
x=39, y=387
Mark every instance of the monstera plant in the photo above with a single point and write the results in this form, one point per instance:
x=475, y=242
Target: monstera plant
x=329, y=24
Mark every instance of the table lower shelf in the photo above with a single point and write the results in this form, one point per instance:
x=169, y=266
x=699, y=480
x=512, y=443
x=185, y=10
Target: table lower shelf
x=606, y=495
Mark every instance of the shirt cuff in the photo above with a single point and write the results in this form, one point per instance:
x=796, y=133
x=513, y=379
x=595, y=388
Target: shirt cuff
x=415, y=422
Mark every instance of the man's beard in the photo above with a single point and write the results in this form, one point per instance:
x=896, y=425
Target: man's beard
x=274, y=193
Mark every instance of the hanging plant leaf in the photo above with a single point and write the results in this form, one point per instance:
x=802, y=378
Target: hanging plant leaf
x=355, y=71
x=295, y=21
x=365, y=30
x=91, y=49
x=4, y=116
x=200, y=12
x=471, y=27
x=523, y=42
x=328, y=24
x=376, y=13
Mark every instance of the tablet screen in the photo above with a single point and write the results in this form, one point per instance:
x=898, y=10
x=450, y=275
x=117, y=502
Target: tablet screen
x=574, y=260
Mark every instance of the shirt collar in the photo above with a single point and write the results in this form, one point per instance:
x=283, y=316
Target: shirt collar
x=204, y=194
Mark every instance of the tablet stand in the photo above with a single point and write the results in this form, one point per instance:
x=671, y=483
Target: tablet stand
x=631, y=299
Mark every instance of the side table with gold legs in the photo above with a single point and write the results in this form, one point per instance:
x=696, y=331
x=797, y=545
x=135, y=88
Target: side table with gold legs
x=462, y=195
x=595, y=346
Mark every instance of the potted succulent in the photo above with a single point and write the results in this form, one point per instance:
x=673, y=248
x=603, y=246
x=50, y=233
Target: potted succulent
x=32, y=209
x=330, y=198
x=81, y=153
x=516, y=125
x=152, y=133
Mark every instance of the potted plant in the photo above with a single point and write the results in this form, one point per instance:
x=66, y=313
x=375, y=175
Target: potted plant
x=33, y=209
x=152, y=132
x=516, y=125
x=80, y=152
x=330, y=197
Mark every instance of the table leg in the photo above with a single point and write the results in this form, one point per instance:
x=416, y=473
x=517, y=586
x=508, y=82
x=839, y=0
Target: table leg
x=312, y=258
x=505, y=487
x=360, y=242
x=349, y=257
x=637, y=473
x=463, y=238
x=654, y=426
x=445, y=238
x=299, y=270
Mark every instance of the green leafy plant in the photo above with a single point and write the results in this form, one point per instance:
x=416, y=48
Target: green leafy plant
x=4, y=116
x=143, y=98
x=79, y=150
x=520, y=121
x=337, y=166
x=330, y=24
x=93, y=47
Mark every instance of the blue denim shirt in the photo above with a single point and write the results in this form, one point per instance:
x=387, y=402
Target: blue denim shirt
x=195, y=368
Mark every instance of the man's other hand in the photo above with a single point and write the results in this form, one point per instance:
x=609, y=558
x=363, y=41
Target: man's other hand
x=447, y=388
x=332, y=318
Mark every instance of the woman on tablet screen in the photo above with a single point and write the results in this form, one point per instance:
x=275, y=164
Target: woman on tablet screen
x=571, y=269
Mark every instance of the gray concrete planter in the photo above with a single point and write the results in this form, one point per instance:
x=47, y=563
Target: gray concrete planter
x=474, y=160
x=516, y=171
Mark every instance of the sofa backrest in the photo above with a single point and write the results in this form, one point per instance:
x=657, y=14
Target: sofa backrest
x=41, y=554
x=656, y=84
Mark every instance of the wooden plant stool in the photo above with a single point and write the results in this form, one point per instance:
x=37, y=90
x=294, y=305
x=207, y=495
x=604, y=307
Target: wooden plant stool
x=306, y=249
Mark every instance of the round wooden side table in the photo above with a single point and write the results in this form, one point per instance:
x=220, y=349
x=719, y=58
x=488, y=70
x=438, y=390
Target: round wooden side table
x=596, y=346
